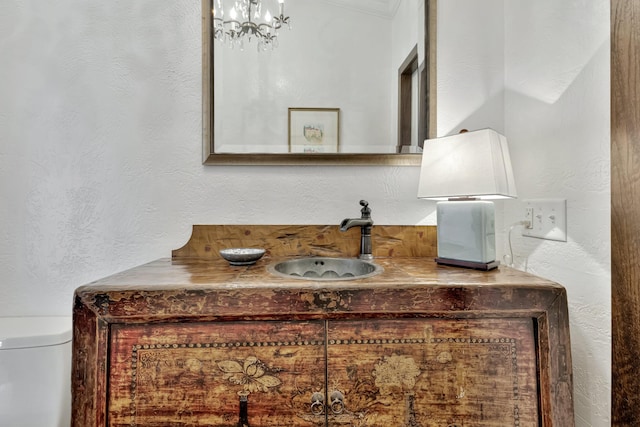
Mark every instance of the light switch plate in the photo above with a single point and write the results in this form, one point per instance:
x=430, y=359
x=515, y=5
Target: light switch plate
x=549, y=219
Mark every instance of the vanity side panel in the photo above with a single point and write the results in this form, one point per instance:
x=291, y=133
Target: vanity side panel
x=556, y=374
x=88, y=367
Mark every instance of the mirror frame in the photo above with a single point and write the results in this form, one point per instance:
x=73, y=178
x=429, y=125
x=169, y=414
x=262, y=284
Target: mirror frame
x=210, y=157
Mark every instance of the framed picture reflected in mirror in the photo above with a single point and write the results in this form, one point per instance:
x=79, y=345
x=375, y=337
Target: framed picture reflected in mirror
x=314, y=130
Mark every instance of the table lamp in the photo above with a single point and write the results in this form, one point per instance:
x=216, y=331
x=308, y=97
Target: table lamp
x=464, y=172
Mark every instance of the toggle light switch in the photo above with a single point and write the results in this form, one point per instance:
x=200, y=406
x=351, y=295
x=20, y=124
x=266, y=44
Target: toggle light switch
x=548, y=219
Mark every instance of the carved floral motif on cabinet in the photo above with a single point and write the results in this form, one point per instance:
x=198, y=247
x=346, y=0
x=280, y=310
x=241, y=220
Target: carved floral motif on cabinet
x=406, y=372
x=192, y=374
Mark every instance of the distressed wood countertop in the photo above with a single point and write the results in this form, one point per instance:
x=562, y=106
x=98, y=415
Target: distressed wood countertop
x=207, y=289
x=197, y=282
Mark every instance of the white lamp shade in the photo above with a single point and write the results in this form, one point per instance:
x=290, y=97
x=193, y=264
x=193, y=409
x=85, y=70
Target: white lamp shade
x=471, y=164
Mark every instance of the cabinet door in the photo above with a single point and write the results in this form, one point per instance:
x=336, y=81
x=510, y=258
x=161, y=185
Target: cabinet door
x=432, y=372
x=194, y=374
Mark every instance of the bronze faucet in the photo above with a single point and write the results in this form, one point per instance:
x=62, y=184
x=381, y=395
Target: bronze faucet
x=365, y=223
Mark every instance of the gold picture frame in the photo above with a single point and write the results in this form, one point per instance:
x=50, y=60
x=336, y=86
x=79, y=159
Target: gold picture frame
x=314, y=130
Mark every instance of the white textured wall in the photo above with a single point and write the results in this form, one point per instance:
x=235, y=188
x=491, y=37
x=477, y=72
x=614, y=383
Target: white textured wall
x=100, y=150
x=470, y=65
x=100, y=155
x=557, y=120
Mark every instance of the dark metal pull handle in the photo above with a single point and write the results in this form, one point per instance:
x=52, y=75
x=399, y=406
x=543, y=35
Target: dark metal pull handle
x=243, y=419
x=317, y=403
x=337, y=402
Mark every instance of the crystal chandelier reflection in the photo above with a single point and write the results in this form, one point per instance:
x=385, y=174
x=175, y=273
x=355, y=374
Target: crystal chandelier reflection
x=237, y=21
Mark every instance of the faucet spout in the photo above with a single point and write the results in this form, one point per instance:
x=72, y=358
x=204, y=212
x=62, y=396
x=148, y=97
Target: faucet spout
x=355, y=222
x=365, y=223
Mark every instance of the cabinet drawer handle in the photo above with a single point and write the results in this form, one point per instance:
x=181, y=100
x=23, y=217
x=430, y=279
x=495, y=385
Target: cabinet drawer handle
x=337, y=402
x=317, y=403
x=243, y=419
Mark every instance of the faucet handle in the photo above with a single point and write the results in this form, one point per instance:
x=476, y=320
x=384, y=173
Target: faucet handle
x=366, y=211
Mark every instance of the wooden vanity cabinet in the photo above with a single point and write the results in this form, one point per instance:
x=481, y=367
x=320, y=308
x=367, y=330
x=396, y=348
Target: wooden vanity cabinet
x=189, y=342
x=370, y=355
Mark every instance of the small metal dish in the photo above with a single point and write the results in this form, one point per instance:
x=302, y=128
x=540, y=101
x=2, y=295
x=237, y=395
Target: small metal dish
x=242, y=256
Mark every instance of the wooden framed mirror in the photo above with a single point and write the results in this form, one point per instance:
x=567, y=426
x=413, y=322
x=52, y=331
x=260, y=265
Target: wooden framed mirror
x=270, y=99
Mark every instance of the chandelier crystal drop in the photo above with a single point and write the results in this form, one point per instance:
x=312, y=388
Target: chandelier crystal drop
x=238, y=21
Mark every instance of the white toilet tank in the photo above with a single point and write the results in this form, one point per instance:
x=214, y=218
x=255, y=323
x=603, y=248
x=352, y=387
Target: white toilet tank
x=35, y=371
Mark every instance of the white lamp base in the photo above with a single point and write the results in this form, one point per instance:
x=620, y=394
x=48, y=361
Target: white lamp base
x=466, y=234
